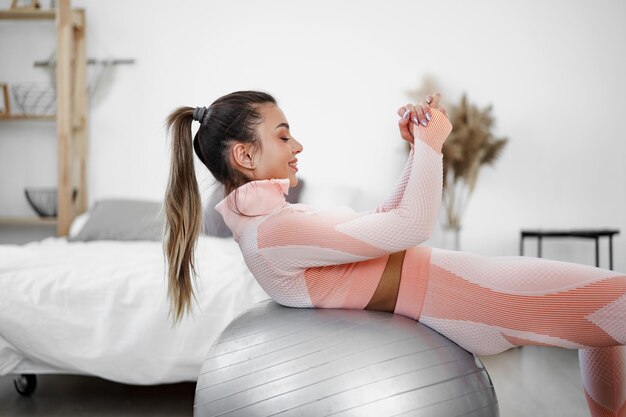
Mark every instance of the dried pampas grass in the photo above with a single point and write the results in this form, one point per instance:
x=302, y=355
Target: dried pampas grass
x=471, y=145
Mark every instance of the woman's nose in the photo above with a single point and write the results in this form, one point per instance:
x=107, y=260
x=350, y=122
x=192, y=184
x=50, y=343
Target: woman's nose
x=299, y=148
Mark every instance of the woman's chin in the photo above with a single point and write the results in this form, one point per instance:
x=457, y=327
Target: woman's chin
x=293, y=181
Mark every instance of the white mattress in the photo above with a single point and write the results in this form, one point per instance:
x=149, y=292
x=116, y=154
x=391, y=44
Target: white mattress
x=100, y=308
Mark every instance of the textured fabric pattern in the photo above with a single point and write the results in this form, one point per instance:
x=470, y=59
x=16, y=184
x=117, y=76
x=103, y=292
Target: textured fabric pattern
x=213, y=223
x=484, y=303
x=334, y=259
x=604, y=375
x=490, y=304
x=307, y=258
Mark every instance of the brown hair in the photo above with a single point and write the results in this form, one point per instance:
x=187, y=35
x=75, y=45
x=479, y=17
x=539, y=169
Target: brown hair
x=231, y=118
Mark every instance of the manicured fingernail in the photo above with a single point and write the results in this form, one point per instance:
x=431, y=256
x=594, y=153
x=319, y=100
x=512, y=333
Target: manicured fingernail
x=415, y=120
x=428, y=116
x=424, y=123
x=406, y=114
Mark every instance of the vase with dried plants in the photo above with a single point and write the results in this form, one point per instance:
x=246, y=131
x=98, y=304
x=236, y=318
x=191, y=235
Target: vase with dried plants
x=470, y=146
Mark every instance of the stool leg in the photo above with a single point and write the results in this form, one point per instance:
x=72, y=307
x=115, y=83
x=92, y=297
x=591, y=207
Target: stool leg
x=597, y=252
x=539, y=247
x=610, y=252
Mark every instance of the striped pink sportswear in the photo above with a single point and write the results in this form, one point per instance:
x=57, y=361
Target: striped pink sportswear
x=335, y=259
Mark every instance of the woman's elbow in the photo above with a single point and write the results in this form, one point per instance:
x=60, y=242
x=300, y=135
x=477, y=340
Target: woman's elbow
x=421, y=230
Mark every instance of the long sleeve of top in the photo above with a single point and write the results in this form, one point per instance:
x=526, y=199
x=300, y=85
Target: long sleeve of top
x=308, y=258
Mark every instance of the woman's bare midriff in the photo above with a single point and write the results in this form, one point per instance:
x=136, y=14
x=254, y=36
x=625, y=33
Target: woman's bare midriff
x=386, y=294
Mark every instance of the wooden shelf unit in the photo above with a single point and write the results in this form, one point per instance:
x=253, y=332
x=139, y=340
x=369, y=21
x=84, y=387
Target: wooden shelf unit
x=25, y=117
x=27, y=14
x=71, y=114
x=28, y=220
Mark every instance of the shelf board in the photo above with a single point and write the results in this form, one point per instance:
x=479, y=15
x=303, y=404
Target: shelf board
x=26, y=117
x=27, y=14
x=28, y=220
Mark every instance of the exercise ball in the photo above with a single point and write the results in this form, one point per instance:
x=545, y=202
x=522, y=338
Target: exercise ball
x=276, y=360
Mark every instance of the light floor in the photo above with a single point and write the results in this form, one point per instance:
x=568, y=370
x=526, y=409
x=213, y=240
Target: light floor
x=537, y=381
x=530, y=381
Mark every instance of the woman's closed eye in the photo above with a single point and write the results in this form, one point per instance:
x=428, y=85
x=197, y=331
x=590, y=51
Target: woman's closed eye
x=285, y=139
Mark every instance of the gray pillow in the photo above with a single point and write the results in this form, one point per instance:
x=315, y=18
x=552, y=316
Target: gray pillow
x=214, y=222
x=123, y=219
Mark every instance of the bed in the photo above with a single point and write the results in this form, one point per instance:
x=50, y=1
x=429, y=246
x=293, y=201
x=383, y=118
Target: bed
x=98, y=307
x=94, y=302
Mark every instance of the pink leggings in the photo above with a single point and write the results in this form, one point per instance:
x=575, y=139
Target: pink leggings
x=490, y=304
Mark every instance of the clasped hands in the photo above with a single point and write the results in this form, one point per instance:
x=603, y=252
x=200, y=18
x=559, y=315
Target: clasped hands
x=418, y=114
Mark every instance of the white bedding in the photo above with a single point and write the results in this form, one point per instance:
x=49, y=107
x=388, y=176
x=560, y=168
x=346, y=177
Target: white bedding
x=100, y=308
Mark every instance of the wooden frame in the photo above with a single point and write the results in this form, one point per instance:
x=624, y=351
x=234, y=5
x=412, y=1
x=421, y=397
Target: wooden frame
x=71, y=113
x=72, y=106
x=5, y=110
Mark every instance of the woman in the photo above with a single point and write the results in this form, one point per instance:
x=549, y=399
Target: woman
x=371, y=260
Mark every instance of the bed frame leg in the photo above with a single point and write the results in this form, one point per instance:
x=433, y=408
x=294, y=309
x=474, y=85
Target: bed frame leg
x=25, y=384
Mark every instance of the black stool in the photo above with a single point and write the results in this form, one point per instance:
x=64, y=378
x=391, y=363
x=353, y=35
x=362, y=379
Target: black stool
x=585, y=234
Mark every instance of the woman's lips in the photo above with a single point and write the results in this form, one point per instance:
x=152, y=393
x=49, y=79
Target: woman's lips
x=294, y=165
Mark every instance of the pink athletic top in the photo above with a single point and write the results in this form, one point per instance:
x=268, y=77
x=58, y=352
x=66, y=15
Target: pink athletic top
x=303, y=257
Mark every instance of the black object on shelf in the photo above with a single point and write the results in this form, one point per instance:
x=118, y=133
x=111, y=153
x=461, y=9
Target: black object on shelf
x=44, y=200
x=580, y=233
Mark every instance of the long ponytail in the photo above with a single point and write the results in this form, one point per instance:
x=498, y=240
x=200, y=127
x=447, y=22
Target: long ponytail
x=183, y=209
x=230, y=119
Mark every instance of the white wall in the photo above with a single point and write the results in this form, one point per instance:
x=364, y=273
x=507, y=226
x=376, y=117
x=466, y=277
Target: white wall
x=553, y=72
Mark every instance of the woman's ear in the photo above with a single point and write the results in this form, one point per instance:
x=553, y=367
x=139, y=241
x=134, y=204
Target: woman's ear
x=242, y=156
